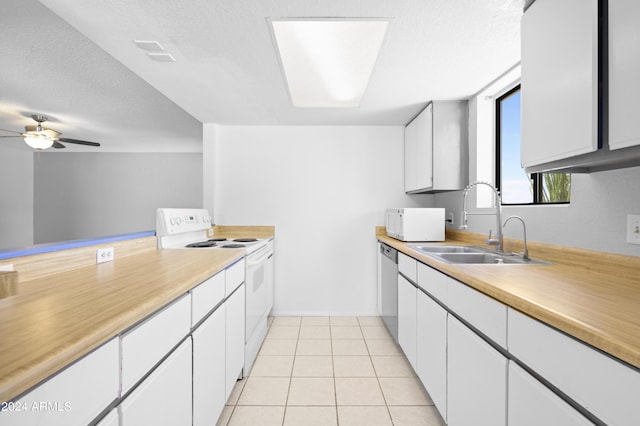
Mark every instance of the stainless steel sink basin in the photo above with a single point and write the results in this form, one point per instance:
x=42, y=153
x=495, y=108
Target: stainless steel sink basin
x=473, y=255
x=487, y=258
x=446, y=249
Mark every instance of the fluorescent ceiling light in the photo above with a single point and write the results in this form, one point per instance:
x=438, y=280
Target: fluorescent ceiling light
x=328, y=63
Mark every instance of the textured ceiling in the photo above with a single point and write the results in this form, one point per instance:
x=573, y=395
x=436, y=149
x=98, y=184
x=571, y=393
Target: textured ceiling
x=48, y=67
x=227, y=71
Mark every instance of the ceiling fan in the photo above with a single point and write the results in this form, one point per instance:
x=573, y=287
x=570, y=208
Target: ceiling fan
x=39, y=137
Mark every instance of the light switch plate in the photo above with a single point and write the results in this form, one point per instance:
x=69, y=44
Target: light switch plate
x=633, y=229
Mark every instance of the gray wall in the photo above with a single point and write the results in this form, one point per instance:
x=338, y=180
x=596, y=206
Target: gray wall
x=16, y=196
x=86, y=195
x=595, y=219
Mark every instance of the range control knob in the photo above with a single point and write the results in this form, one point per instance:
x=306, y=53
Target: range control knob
x=172, y=221
x=178, y=221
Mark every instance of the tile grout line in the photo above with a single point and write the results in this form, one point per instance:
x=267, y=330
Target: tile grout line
x=286, y=402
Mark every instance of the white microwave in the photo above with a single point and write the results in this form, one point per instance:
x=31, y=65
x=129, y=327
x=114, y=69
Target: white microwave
x=415, y=224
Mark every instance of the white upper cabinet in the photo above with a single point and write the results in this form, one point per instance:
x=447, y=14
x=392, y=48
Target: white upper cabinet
x=410, y=151
x=624, y=73
x=559, y=80
x=435, y=156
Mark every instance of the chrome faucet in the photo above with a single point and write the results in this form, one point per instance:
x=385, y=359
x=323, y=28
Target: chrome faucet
x=525, y=253
x=498, y=240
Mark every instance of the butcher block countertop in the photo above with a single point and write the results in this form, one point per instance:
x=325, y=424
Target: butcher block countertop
x=48, y=322
x=592, y=296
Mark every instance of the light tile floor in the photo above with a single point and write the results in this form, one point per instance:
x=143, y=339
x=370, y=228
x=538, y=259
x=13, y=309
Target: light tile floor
x=330, y=371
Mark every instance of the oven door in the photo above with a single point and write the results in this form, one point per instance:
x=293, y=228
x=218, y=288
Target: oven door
x=257, y=297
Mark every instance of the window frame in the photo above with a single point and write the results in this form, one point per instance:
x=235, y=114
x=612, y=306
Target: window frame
x=535, y=178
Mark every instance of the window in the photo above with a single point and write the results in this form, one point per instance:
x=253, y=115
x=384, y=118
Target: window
x=516, y=186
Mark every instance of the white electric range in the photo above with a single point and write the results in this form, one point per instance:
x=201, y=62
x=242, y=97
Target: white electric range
x=189, y=229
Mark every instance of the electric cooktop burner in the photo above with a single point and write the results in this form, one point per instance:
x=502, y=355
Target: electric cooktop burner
x=209, y=243
x=245, y=240
x=233, y=245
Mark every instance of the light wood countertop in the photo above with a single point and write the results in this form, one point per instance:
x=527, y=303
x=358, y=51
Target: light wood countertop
x=51, y=321
x=598, y=307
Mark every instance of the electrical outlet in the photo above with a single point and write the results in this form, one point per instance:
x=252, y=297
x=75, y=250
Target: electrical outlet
x=451, y=219
x=104, y=255
x=210, y=232
x=8, y=267
x=633, y=229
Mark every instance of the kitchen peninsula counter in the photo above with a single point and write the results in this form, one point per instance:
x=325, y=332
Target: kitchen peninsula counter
x=592, y=296
x=52, y=321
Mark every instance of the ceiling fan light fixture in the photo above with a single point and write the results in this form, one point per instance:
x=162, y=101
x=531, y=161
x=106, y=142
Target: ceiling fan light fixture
x=38, y=142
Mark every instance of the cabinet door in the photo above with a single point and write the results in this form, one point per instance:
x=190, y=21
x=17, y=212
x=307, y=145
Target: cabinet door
x=432, y=350
x=424, y=148
x=624, y=69
x=407, y=319
x=164, y=397
x=559, y=80
x=75, y=396
x=533, y=404
x=234, y=339
x=477, y=379
x=209, y=394
x=410, y=147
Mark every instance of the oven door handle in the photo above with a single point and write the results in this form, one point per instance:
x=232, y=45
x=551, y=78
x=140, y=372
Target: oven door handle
x=251, y=259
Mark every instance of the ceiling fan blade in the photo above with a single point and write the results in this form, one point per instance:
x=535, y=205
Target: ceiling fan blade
x=79, y=142
x=57, y=145
x=10, y=131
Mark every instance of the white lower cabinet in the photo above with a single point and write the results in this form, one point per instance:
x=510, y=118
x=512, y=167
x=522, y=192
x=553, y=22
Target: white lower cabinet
x=209, y=394
x=533, y=404
x=164, y=397
x=407, y=319
x=477, y=379
x=604, y=386
x=234, y=340
x=432, y=350
x=146, y=344
x=75, y=396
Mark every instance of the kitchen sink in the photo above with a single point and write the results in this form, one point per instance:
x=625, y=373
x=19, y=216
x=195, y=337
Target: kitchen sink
x=488, y=258
x=446, y=249
x=473, y=255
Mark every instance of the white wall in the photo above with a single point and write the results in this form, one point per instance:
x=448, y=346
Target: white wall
x=325, y=188
x=16, y=196
x=87, y=195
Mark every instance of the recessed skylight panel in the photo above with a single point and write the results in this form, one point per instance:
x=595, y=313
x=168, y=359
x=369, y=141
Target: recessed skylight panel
x=328, y=63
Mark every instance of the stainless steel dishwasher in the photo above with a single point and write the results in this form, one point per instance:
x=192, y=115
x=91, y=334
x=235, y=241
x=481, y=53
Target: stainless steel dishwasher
x=389, y=288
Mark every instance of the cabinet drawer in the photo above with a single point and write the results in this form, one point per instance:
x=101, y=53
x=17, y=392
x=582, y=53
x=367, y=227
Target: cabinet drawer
x=234, y=277
x=482, y=312
x=602, y=385
x=206, y=296
x=407, y=266
x=73, y=397
x=149, y=342
x=164, y=397
x=433, y=282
